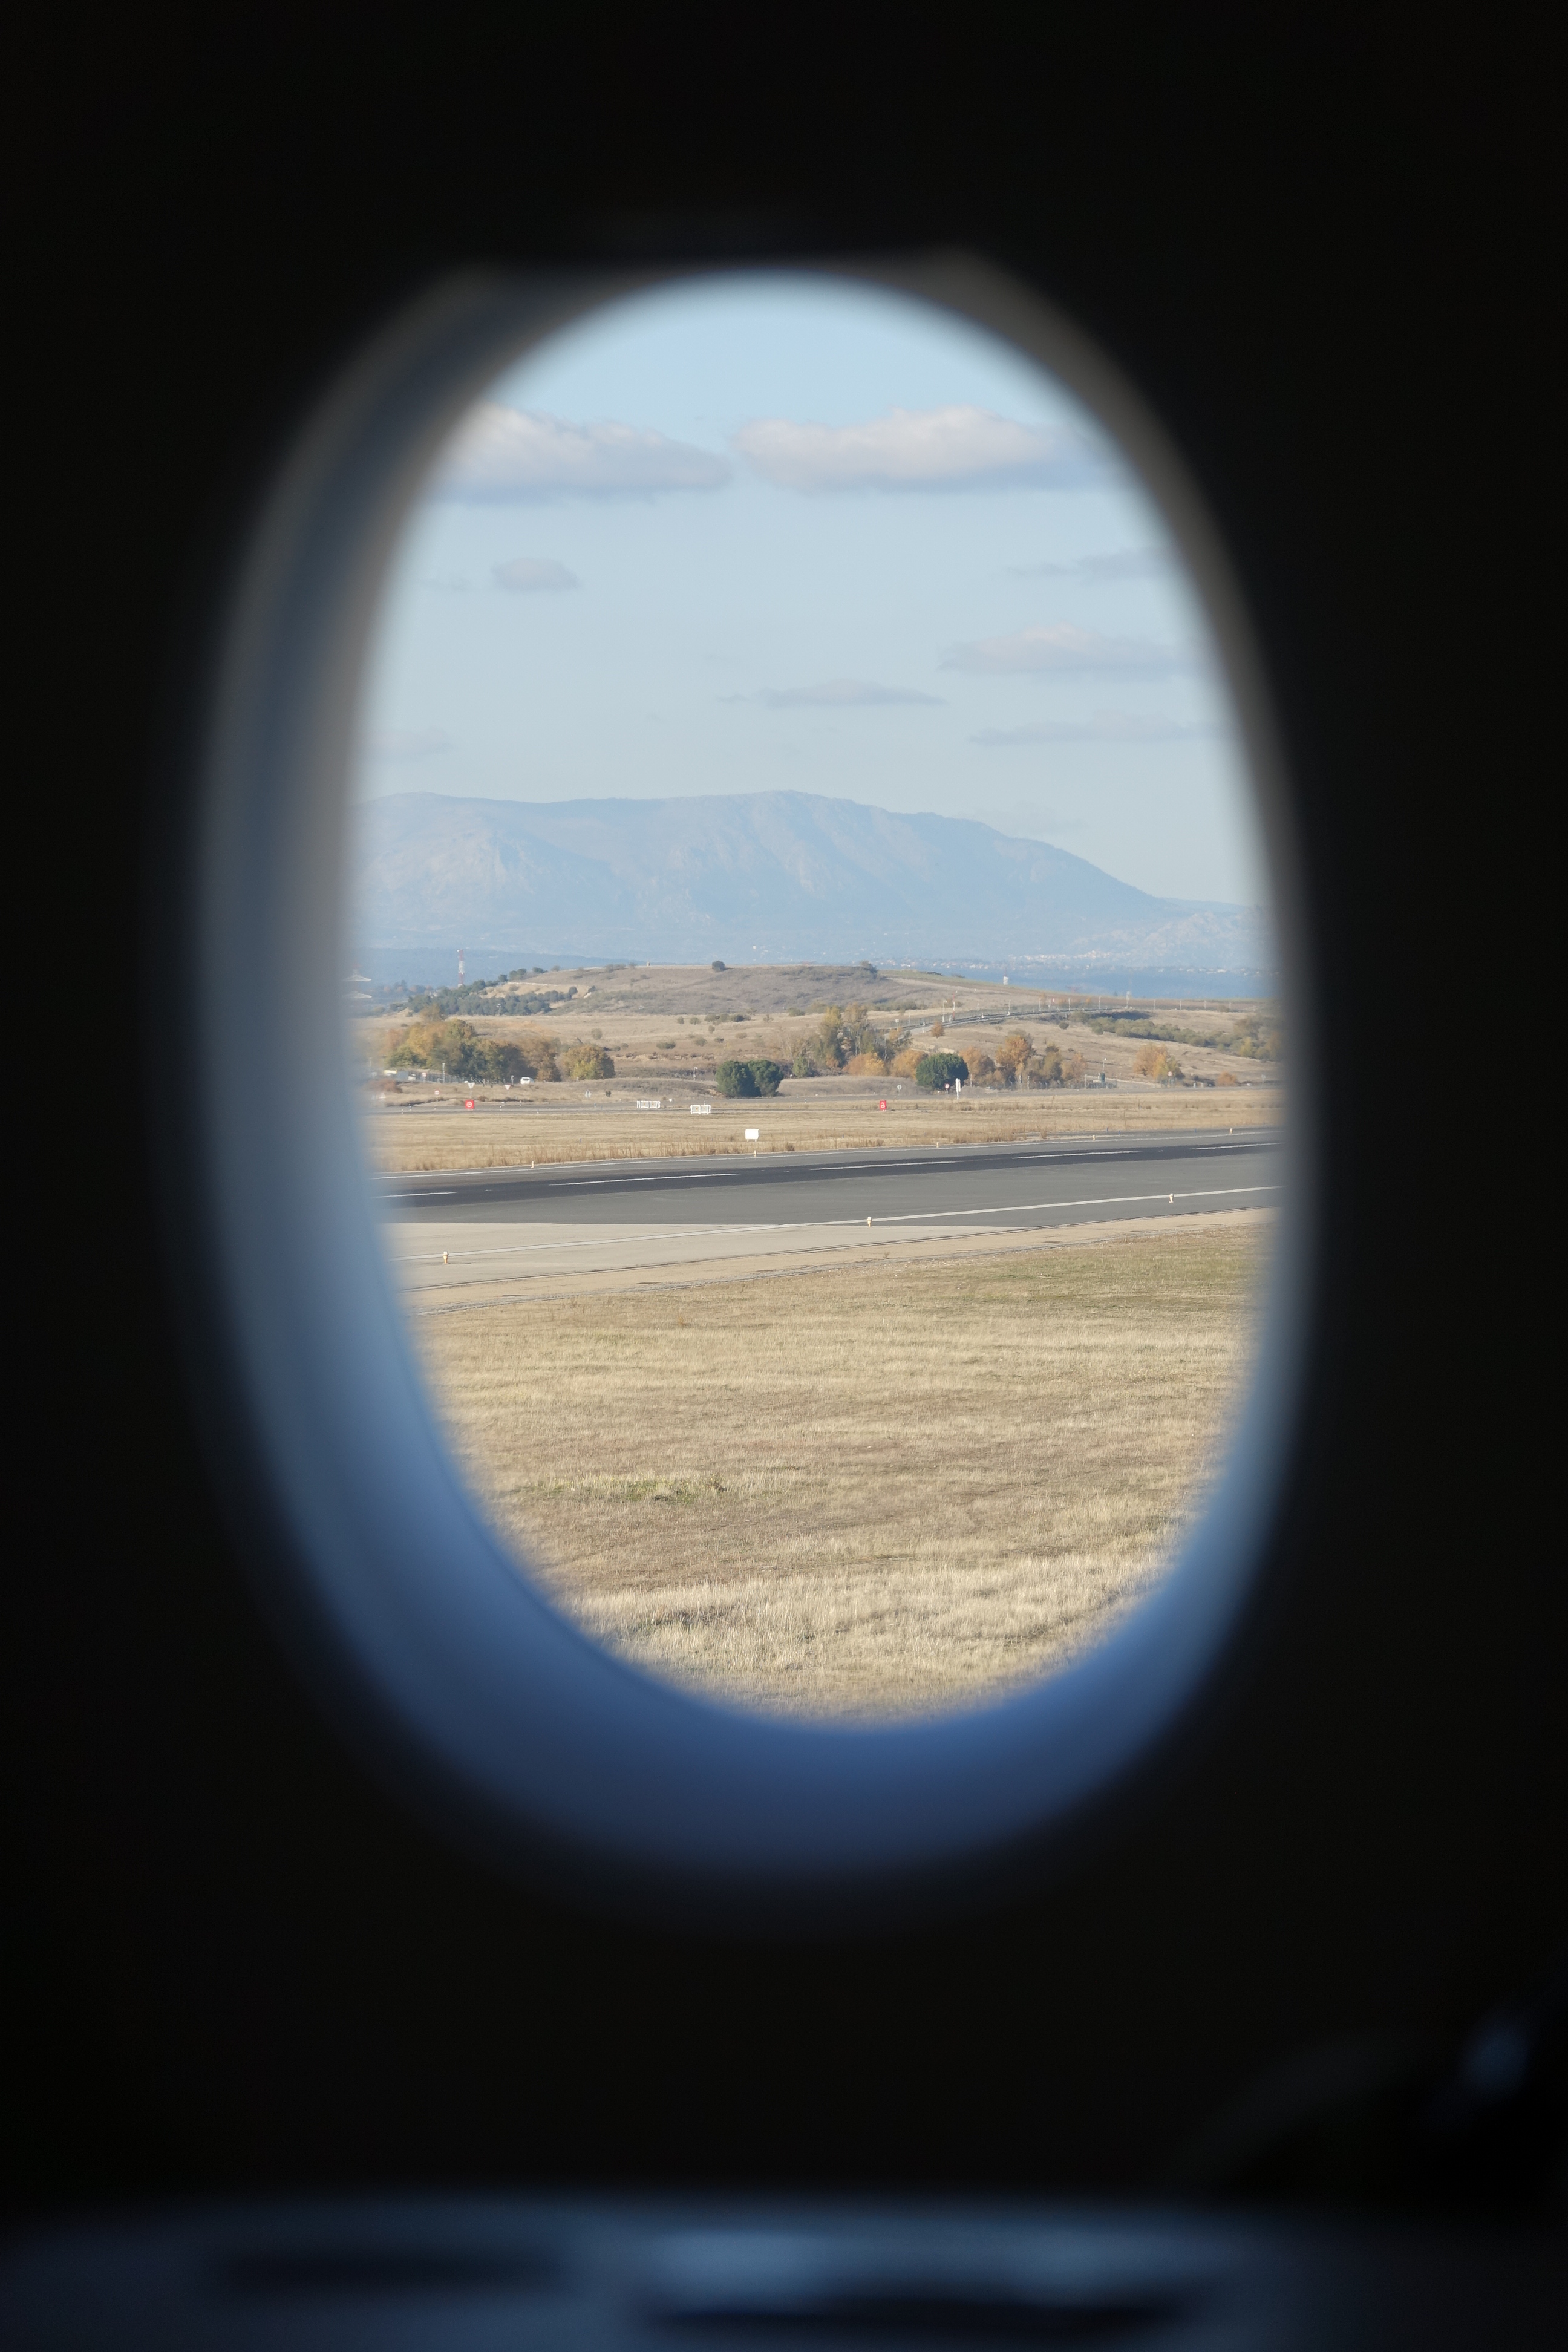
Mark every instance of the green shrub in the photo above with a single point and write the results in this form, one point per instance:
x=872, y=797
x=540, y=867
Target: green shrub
x=934, y=1070
x=758, y=1077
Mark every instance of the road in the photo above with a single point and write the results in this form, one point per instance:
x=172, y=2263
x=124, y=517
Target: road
x=466, y=1237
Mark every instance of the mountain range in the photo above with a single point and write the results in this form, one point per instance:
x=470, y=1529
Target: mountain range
x=756, y=877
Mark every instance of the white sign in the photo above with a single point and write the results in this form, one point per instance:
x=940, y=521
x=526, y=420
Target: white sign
x=651, y=1106
x=700, y=1110
x=753, y=1134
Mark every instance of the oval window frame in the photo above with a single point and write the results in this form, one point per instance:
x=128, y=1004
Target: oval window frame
x=489, y=1709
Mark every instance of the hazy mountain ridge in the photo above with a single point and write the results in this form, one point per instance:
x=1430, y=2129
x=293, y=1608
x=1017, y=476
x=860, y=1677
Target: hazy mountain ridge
x=773, y=874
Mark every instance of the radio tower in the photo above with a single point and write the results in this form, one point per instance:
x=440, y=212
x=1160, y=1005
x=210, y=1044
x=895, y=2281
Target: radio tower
x=459, y=967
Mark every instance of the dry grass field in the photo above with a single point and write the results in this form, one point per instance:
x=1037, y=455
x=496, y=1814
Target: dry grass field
x=884, y=1490
x=811, y=1114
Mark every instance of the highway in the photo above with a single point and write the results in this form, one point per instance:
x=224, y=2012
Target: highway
x=607, y=1222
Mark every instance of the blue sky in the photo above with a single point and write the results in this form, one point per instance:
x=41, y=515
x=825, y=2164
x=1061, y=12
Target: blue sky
x=777, y=534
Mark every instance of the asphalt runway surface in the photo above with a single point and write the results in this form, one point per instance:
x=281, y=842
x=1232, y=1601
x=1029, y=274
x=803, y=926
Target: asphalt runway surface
x=1020, y=1184
x=469, y=1237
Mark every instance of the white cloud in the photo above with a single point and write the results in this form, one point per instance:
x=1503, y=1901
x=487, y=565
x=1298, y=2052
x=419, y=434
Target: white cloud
x=407, y=743
x=833, y=694
x=502, y=454
x=1119, y=563
x=1063, y=649
x=1105, y=727
x=917, y=449
x=528, y=574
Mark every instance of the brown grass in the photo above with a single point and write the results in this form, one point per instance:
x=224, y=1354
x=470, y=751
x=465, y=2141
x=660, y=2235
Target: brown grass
x=407, y=1138
x=872, y=1492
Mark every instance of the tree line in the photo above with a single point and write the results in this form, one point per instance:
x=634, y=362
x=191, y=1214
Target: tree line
x=475, y=996
x=1257, y=1037
x=1019, y=1061
x=456, y=1047
x=847, y=1039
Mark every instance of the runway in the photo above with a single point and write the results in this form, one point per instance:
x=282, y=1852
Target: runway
x=480, y=1235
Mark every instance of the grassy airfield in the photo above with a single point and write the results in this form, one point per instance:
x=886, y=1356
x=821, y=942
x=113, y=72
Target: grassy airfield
x=497, y=1135
x=881, y=1487
x=882, y=1490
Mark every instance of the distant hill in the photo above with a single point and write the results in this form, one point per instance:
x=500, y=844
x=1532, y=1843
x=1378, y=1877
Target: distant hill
x=756, y=876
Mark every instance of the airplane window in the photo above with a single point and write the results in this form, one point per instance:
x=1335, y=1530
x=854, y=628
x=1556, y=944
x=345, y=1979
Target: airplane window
x=755, y=1074
x=814, y=997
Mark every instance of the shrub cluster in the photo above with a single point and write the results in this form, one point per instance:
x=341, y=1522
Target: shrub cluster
x=1260, y=1041
x=456, y=1047
x=932, y=1070
x=847, y=1038
x=442, y=1003
x=1019, y=1061
x=758, y=1077
x=1258, y=1038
